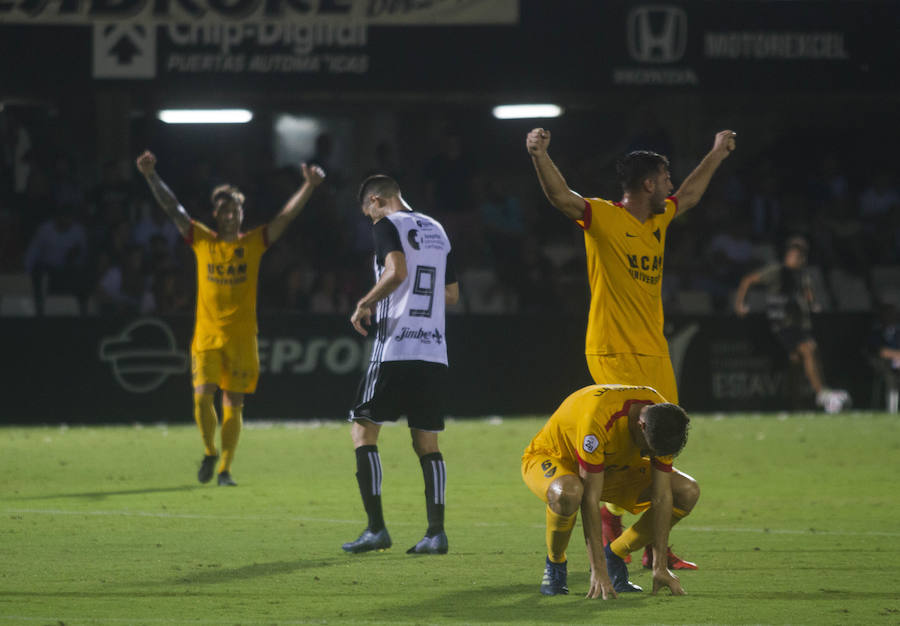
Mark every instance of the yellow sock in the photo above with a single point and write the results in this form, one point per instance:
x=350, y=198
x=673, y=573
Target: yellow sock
x=232, y=420
x=559, y=531
x=207, y=420
x=640, y=533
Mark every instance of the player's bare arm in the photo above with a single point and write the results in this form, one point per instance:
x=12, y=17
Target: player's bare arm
x=394, y=274
x=551, y=179
x=740, y=296
x=694, y=186
x=146, y=164
x=451, y=293
x=661, y=505
x=312, y=178
x=601, y=585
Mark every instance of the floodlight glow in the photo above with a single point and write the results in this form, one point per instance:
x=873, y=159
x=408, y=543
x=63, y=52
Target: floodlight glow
x=526, y=111
x=205, y=116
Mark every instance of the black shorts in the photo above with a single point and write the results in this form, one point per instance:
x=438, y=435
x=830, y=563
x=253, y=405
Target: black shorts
x=394, y=388
x=792, y=336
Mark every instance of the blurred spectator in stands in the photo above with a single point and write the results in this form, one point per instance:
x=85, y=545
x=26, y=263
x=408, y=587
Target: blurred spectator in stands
x=159, y=254
x=56, y=257
x=879, y=197
x=503, y=224
x=167, y=296
x=328, y=296
x=829, y=183
x=766, y=208
x=154, y=223
x=386, y=162
x=112, y=196
x=66, y=188
x=536, y=282
x=839, y=236
x=729, y=255
x=38, y=204
x=449, y=176
x=125, y=287
x=295, y=290
x=789, y=304
x=885, y=346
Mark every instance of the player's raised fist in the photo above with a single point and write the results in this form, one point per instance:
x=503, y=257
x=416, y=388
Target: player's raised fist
x=313, y=174
x=537, y=141
x=725, y=142
x=146, y=163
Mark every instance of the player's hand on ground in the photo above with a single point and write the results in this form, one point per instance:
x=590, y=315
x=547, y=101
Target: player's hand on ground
x=665, y=578
x=146, y=163
x=313, y=174
x=537, y=141
x=601, y=587
x=362, y=316
x=725, y=142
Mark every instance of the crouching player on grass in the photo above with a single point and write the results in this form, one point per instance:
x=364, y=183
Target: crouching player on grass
x=611, y=443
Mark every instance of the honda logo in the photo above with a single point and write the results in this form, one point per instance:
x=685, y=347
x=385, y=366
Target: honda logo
x=657, y=33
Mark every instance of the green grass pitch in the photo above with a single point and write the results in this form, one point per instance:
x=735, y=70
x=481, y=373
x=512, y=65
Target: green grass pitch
x=797, y=523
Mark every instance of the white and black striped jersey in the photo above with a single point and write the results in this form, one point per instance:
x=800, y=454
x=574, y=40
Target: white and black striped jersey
x=409, y=323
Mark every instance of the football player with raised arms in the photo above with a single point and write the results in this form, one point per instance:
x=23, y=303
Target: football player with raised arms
x=224, y=351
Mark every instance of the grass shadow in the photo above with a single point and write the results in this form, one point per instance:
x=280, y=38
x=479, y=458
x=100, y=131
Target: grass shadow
x=101, y=495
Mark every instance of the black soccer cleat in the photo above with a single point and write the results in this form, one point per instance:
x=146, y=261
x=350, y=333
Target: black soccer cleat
x=618, y=572
x=554, y=582
x=369, y=541
x=431, y=545
x=207, y=467
x=225, y=479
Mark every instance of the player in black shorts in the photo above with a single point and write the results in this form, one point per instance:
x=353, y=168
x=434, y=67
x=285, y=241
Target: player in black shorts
x=414, y=281
x=789, y=303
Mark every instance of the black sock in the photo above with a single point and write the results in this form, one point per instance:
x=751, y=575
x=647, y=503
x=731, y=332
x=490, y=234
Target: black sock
x=368, y=476
x=434, y=471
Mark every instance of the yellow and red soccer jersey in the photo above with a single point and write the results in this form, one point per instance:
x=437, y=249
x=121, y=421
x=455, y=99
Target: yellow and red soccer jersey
x=625, y=264
x=590, y=429
x=227, y=278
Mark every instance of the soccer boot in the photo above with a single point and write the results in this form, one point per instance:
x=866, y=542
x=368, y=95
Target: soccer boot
x=225, y=480
x=207, y=467
x=369, y=541
x=554, y=582
x=431, y=545
x=611, y=527
x=618, y=572
x=674, y=561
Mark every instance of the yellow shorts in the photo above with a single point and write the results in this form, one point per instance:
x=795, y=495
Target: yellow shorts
x=539, y=471
x=635, y=369
x=233, y=367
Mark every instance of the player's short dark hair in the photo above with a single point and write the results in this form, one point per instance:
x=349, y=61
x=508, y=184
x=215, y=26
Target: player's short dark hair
x=666, y=428
x=380, y=185
x=226, y=192
x=635, y=167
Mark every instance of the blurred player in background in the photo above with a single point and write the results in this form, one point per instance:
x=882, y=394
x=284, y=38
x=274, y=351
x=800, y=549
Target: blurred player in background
x=789, y=305
x=224, y=352
x=414, y=281
x=610, y=443
x=625, y=244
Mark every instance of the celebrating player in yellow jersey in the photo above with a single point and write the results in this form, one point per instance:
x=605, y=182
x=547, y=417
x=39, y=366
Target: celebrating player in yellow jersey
x=224, y=352
x=625, y=243
x=610, y=443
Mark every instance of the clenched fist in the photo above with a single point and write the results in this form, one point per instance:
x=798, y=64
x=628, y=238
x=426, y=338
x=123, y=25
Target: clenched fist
x=537, y=141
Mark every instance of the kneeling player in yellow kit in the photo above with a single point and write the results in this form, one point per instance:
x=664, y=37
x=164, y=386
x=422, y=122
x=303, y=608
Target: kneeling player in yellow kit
x=224, y=352
x=610, y=443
